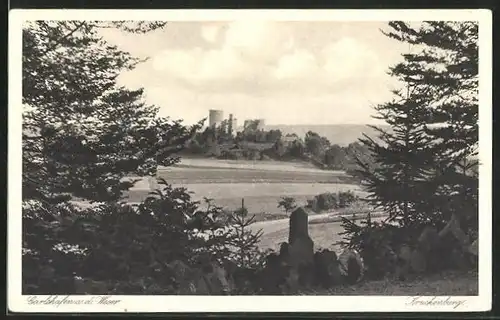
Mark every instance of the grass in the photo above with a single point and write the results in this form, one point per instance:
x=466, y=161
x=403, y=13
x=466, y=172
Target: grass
x=293, y=166
x=193, y=170
x=447, y=283
x=356, y=215
x=260, y=183
x=259, y=197
x=231, y=175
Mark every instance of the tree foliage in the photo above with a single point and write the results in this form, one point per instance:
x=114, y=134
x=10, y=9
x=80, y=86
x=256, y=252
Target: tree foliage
x=82, y=133
x=129, y=247
x=316, y=144
x=287, y=203
x=426, y=163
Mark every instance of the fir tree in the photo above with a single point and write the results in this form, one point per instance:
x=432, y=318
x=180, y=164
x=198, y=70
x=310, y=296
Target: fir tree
x=402, y=158
x=446, y=73
x=426, y=161
x=82, y=133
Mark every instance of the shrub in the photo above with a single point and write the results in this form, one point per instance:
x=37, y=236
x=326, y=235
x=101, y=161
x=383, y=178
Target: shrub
x=379, y=243
x=127, y=247
x=329, y=201
x=287, y=203
x=346, y=198
x=376, y=243
x=326, y=201
x=228, y=155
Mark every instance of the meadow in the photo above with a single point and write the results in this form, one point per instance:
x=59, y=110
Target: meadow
x=293, y=166
x=263, y=183
x=260, y=183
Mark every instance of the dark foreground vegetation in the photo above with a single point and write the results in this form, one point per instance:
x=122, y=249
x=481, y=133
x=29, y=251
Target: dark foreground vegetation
x=83, y=134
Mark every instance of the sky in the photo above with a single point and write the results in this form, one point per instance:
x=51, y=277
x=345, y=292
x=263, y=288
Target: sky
x=284, y=72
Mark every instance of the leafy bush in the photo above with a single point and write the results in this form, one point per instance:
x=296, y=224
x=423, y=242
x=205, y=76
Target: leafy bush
x=346, y=198
x=376, y=242
x=230, y=155
x=287, y=203
x=379, y=243
x=329, y=201
x=128, y=247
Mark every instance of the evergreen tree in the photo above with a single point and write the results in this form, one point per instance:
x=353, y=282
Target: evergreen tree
x=403, y=159
x=244, y=241
x=82, y=133
x=446, y=73
x=425, y=164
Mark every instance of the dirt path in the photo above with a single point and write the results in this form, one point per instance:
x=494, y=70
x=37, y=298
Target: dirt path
x=277, y=225
x=325, y=233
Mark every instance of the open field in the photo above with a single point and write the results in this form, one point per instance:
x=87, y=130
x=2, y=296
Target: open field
x=260, y=183
x=271, y=165
x=189, y=175
x=259, y=197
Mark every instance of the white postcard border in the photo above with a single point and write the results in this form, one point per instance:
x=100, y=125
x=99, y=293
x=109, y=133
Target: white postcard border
x=19, y=303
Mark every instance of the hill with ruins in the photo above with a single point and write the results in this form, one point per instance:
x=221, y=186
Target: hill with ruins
x=340, y=134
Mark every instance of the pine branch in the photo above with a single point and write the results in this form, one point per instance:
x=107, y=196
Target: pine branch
x=63, y=38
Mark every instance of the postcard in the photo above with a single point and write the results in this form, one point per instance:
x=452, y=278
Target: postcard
x=249, y=161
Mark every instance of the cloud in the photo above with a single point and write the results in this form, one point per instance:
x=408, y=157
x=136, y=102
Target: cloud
x=258, y=41
x=282, y=71
x=210, y=32
x=300, y=64
x=348, y=58
x=262, y=56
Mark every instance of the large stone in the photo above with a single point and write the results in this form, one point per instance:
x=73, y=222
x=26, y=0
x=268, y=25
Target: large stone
x=302, y=252
x=404, y=253
x=410, y=261
x=89, y=287
x=459, y=259
x=433, y=246
x=429, y=239
x=211, y=278
x=474, y=248
x=306, y=275
x=327, y=268
x=418, y=261
x=275, y=275
x=179, y=269
x=351, y=265
x=217, y=280
x=285, y=253
x=292, y=281
x=403, y=267
x=301, y=246
x=299, y=225
x=184, y=277
x=453, y=227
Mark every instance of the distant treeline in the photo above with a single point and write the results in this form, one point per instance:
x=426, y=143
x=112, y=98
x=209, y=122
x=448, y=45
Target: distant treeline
x=258, y=144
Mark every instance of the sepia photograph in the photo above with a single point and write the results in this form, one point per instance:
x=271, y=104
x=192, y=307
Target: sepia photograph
x=260, y=162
